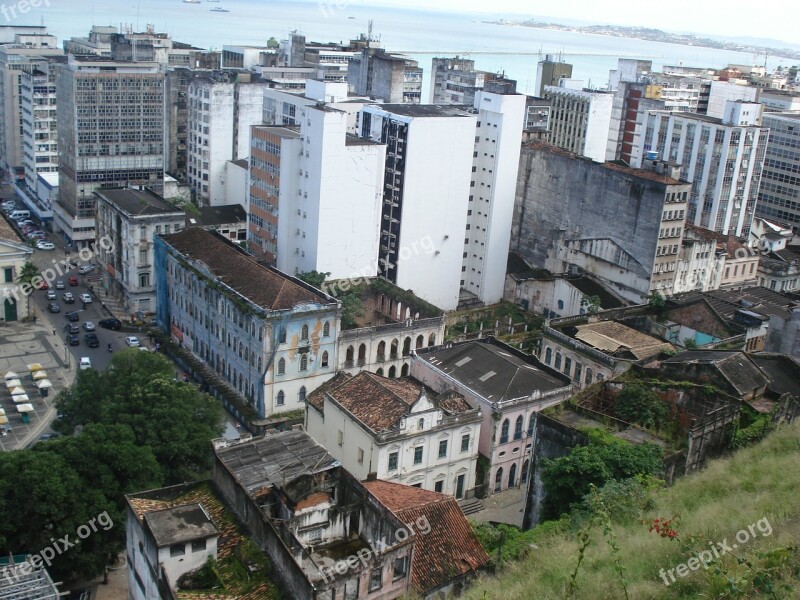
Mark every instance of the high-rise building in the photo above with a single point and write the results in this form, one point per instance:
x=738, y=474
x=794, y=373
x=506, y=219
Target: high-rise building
x=455, y=81
x=388, y=77
x=549, y=72
x=427, y=178
x=779, y=194
x=580, y=121
x=222, y=109
x=110, y=134
x=722, y=158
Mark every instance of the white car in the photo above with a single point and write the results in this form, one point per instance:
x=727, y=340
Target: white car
x=88, y=326
x=86, y=363
x=86, y=269
x=86, y=298
x=45, y=245
x=132, y=341
x=51, y=295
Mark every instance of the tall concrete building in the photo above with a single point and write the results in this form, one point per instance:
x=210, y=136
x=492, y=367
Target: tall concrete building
x=580, y=121
x=490, y=210
x=222, y=109
x=391, y=78
x=722, y=158
x=456, y=81
x=550, y=71
x=779, y=194
x=110, y=134
x=427, y=177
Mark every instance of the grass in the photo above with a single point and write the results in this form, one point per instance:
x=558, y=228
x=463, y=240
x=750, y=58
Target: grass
x=758, y=482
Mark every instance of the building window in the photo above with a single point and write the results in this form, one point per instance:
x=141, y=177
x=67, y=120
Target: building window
x=282, y=366
x=360, y=456
x=375, y=580
x=421, y=424
x=418, y=455
x=304, y=333
x=282, y=336
x=504, y=432
x=400, y=567
x=301, y=395
x=304, y=362
x=588, y=379
x=144, y=279
x=438, y=486
x=442, y=448
x=281, y=398
x=531, y=423
x=392, y=462
x=577, y=374
x=548, y=356
x=9, y=274
x=498, y=480
x=198, y=545
x=518, y=428
x=558, y=361
x=177, y=550
x=340, y=437
x=567, y=365
x=324, y=361
x=326, y=329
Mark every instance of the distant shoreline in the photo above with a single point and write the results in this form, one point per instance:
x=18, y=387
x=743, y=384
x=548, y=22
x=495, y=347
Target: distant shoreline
x=656, y=35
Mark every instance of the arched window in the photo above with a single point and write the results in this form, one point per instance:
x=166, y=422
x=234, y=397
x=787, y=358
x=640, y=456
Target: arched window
x=282, y=335
x=548, y=355
x=304, y=333
x=395, y=346
x=362, y=355
x=348, y=360
x=560, y=305
x=379, y=371
x=420, y=341
x=324, y=362
x=282, y=366
x=588, y=376
x=498, y=480
x=381, y=356
x=512, y=475
x=421, y=424
x=431, y=340
x=404, y=370
x=600, y=377
x=518, y=428
x=531, y=424
x=304, y=362
x=558, y=361
x=392, y=372
x=523, y=477
x=504, y=432
x=326, y=329
x=259, y=364
x=280, y=398
x=407, y=346
x=301, y=395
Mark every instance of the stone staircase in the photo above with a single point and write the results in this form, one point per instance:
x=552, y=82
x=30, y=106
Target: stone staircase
x=471, y=506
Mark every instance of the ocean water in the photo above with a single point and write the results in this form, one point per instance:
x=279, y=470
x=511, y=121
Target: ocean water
x=421, y=34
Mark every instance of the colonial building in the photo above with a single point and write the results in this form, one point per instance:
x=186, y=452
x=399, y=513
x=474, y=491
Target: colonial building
x=270, y=336
x=14, y=253
x=508, y=387
x=397, y=430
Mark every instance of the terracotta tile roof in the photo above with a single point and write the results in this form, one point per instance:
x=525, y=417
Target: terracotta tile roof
x=725, y=243
x=263, y=286
x=449, y=550
x=615, y=338
x=7, y=232
x=313, y=500
x=315, y=398
x=380, y=403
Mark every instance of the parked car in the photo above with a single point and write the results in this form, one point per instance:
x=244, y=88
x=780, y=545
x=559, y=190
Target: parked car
x=48, y=436
x=69, y=298
x=73, y=329
x=91, y=340
x=86, y=269
x=43, y=245
x=53, y=307
x=51, y=295
x=113, y=324
x=132, y=341
x=86, y=298
x=86, y=362
x=72, y=316
x=88, y=326
x=73, y=280
x=43, y=285
x=25, y=222
x=74, y=340
x=60, y=284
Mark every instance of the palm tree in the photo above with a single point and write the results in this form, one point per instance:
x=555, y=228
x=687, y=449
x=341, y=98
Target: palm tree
x=26, y=275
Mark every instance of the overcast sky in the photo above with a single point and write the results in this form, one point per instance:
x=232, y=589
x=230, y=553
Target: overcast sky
x=722, y=18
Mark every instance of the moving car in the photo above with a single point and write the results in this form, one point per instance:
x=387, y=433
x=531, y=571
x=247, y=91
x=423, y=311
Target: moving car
x=73, y=329
x=86, y=269
x=113, y=324
x=53, y=307
x=46, y=246
x=73, y=281
x=69, y=298
x=74, y=340
x=86, y=362
x=132, y=341
x=72, y=316
x=51, y=295
x=91, y=340
x=86, y=298
x=60, y=284
x=42, y=285
x=88, y=326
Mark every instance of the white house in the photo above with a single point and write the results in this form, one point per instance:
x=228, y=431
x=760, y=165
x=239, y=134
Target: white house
x=14, y=253
x=397, y=430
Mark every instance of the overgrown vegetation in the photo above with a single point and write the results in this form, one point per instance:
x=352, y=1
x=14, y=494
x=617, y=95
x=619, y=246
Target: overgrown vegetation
x=622, y=535
x=639, y=404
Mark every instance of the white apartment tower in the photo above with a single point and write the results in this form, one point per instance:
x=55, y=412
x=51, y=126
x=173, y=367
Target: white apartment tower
x=425, y=195
x=580, y=121
x=779, y=195
x=490, y=211
x=39, y=132
x=221, y=113
x=722, y=158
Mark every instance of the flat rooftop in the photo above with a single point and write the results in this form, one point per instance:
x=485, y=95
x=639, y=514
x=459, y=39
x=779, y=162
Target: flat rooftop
x=493, y=372
x=425, y=110
x=217, y=215
x=138, y=203
x=180, y=524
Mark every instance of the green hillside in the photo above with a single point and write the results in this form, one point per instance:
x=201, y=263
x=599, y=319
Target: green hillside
x=758, y=487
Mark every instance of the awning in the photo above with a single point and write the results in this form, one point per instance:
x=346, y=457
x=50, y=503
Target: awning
x=35, y=367
x=12, y=383
x=3, y=420
x=17, y=391
x=21, y=399
x=24, y=408
x=40, y=375
x=11, y=375
x=44, y=384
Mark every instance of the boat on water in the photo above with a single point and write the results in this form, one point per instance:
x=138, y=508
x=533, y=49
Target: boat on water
x=219, y=9
x=192, y=1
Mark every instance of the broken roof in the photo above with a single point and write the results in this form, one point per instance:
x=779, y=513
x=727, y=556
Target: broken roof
x=180, y=524
x=736, y=367
x=449, y=550
x=232, y=266
x=494, y=372
x=615, y=338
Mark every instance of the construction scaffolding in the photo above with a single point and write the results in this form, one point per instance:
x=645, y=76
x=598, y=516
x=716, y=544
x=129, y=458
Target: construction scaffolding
x=22, y=582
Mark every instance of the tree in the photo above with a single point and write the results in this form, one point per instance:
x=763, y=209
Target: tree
x=352, y=309
x=314, y=278
x=689, y=343
x=173, y=418
x=26, y=275
x=591, y=304
x=657, y=302
x=641, y=405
